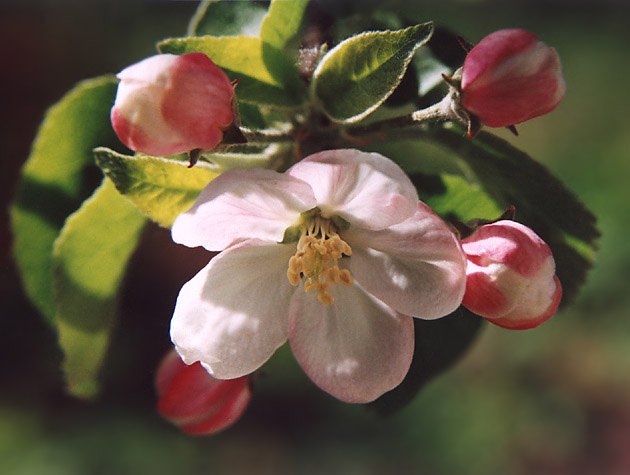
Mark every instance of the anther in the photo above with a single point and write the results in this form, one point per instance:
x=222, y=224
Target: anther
x=318, y=250
x=346, y=277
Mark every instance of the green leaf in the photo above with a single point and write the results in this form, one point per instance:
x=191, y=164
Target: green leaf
x=54, y=183
x=429, y=72
x=90, y=257
x=356, y=76
x=453, y=197
x=282, y=22
x=511, y=177
x=267, y=76
x=221, y=18
x=275, y=156
x=438, y=345
x=251, y=116
x=161, y=188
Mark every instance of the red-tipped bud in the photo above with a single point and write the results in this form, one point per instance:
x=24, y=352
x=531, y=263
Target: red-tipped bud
x=195, y=401
x=510, y=276
x=168, y=104
x=510, y=77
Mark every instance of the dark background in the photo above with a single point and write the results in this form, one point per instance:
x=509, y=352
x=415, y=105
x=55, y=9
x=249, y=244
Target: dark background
x=551, y=400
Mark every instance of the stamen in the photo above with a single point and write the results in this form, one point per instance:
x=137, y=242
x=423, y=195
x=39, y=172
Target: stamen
x=318, y=250
x=346, y=277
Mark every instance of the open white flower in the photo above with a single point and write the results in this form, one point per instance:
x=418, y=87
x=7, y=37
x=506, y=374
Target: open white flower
x=336, y=254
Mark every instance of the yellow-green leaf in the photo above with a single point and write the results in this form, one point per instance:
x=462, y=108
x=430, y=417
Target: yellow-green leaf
x=282, y=22
x=161, y=188
x=53, y=185
x=266, y=75
x=89, y=260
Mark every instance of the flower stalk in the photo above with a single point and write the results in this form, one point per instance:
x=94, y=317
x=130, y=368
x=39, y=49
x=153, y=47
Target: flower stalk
x=377, y=130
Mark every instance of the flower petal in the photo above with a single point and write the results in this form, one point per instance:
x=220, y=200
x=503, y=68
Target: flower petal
x=523, y=319
x=366, y=189
x=242, y=204
x=355, y=349
x=417, y=267
x=198, y=100
x=232, y=315
x=509, y=243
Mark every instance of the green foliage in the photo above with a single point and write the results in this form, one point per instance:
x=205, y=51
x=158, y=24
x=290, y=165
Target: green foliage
x=282, y=22
x=267, y=76
x=429, y=72
x=251, y=116
x=53, y=185
x=511, y=177
x=220, y=18
x=360, y=73
x=90, y=257
x=161, y=188
x=453, y=197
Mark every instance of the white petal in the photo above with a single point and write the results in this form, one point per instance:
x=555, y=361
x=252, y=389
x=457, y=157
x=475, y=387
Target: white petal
x=417, y=267
x=355, y=349
x=233, y=314
x=366, y=189
x=242, y=204
x=151, y=70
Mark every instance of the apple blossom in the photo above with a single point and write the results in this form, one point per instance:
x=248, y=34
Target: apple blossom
x=337, y=254
x=509, y=77
x=169, y=104
x=511, y=277
x=195, y=401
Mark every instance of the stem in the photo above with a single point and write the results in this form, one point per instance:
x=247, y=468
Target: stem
x=266, y=136
x=439, y=112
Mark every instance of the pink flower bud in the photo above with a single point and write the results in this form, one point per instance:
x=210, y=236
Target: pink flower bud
x=195, y=401
x=169, y=104
x=510, y=276
x=510, y=77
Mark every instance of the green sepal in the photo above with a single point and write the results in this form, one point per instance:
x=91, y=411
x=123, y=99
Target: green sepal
x=291, y=234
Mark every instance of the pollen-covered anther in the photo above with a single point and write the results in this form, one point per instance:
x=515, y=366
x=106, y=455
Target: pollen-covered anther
x=318, y=251
x=325, y=298
x=345, y=277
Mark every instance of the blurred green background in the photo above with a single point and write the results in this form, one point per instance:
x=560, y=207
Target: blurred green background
x=555, y=399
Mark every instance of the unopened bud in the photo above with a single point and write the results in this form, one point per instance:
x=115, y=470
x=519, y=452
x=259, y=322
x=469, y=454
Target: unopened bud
x=510, y=77
x=195, y=401
x=510, y=276
x=168, y=104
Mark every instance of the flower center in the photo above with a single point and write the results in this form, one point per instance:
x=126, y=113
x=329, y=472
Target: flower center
x=316, y=257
